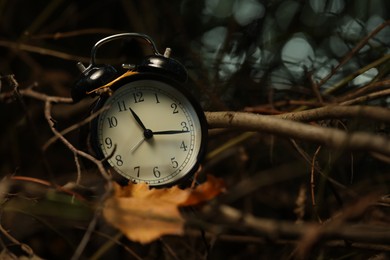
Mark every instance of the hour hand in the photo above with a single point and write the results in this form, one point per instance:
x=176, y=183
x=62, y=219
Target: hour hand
x=137, y=119
x=169, y=132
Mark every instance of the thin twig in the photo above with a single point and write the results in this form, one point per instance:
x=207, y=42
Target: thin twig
x=74, y=127
x=356, y=73
x=99, y=164
x=78, y=167
x=312, y=183
x=352, y=53
x=112, y=240
x=48, y=184
x=170, y=250
x=61, y=35
x=29, y=92
x=371, y=96
x=43, y=51
x=87, y=235
x=27, y=249
x=308, y=159
x=371, y=87
x=339, y=111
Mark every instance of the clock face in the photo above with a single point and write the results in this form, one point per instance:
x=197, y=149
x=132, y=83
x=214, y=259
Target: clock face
x=151, y=132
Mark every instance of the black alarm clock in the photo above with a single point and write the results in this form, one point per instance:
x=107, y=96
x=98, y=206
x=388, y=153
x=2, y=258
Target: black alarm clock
x=151, y=129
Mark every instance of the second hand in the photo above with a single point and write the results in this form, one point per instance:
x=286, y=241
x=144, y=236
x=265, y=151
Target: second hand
x=137, y=144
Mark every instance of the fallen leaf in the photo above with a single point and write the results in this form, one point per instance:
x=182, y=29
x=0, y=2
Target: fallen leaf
x=205, y=191
x=144, y=214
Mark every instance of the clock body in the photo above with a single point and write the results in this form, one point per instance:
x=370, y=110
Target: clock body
x=150, y=130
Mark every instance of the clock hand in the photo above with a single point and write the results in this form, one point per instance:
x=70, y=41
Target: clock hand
x=137, y=144
x=136, y=117
x=170, y=132
x=149, y=133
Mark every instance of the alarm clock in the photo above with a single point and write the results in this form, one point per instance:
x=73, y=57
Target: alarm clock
x=149, y=127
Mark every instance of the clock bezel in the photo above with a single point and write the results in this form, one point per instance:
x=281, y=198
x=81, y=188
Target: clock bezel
x=184, y=179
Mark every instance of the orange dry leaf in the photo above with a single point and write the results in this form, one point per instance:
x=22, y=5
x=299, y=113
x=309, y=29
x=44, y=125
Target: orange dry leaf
x=145, y=214
x=205, y=191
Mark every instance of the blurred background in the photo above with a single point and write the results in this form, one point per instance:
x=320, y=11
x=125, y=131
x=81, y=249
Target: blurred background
x=241, y=55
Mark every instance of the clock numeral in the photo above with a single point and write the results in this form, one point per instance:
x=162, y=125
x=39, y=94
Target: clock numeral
x=137, y=170
x=122, y=106
x=157, y=100
x=138, y=97
x=174, y=106
x=112, y=121
x=175, y=164
x=119, y=161
x=183, y=146
x=108, y=142
x=156, y=172
x=185, y=127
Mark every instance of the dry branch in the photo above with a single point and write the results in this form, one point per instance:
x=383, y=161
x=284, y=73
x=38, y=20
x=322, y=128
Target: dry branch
x=339, y=112
x=26, y=248
x=331, y=137
x=352, y=53
x=43, y=51
x=278, y=229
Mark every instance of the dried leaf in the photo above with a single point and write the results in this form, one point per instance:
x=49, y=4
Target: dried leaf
x=145, y=214
x=205, y=191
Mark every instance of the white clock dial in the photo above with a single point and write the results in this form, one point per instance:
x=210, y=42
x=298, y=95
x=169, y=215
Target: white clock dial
x=152, y=131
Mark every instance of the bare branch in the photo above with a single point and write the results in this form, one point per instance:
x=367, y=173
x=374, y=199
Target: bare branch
x=74, y=127
x=98, y=163
x=331, y=137
x=61, y=35
x=31, y=48
x=351, y=54
x=278, y=229
x=29, y=92
x=371, y=96
x=336, y=111
x=27, y=249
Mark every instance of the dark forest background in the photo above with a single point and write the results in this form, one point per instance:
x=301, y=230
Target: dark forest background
x=268, y=57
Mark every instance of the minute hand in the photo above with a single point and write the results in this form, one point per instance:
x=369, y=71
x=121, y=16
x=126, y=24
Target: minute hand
x=170, y=132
